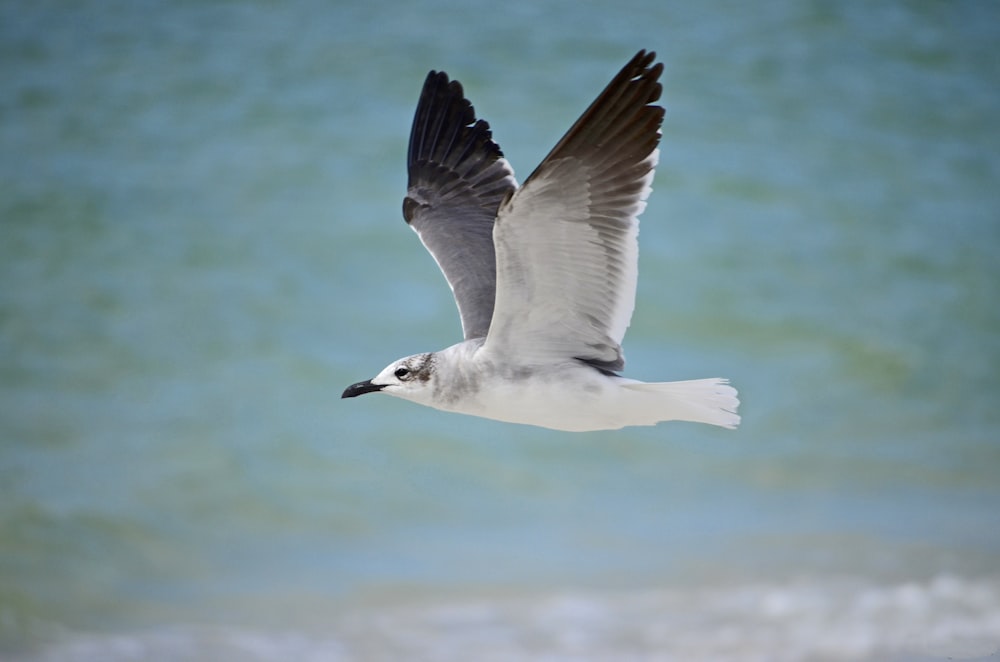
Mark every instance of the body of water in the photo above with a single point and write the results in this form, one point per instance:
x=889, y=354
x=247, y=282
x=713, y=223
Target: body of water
x=201, y=245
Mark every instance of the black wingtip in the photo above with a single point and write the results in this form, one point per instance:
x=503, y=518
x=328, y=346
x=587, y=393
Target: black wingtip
x=624, y=111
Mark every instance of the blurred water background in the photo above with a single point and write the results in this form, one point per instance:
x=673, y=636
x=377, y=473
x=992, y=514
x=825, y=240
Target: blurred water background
x=201, y=244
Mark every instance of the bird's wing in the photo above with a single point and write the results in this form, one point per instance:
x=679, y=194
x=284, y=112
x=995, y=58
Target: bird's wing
x=457, y=179
x=566, y=241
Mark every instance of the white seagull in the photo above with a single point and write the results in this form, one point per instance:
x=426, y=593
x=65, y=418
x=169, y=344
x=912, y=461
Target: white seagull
x=544, y=274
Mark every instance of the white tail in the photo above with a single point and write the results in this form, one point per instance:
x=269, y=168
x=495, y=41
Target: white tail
x=711, y=401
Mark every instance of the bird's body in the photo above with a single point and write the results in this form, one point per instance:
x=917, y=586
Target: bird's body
x=569, y=395
x=544, y=274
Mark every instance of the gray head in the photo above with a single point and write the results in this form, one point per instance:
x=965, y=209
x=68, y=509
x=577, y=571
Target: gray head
x=409, y=378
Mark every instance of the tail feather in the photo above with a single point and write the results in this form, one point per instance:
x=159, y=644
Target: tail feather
x=711, y=401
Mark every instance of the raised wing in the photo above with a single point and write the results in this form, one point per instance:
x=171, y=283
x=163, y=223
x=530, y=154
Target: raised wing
x=457, y=180
x=566, y=241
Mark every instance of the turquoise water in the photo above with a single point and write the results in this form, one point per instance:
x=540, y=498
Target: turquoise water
x=201, y=245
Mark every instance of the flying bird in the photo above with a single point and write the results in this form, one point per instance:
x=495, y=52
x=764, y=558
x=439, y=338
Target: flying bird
x=544, y=274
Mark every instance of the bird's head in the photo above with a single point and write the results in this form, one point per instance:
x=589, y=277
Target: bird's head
x=409, y=378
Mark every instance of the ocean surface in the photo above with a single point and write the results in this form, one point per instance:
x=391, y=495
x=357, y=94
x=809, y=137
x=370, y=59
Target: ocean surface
x=201, y=245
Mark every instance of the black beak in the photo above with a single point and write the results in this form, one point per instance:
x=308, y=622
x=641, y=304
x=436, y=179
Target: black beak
x=354, y=390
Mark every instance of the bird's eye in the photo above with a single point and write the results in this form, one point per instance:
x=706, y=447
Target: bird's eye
x=401, y=372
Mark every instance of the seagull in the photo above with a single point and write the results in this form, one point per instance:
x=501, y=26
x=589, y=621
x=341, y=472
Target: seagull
x=544, y=274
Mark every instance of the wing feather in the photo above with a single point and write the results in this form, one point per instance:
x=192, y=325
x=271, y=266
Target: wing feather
x=457, y=178
x=566, y=241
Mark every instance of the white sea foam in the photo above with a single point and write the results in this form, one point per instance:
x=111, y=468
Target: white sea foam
x=944, y=619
